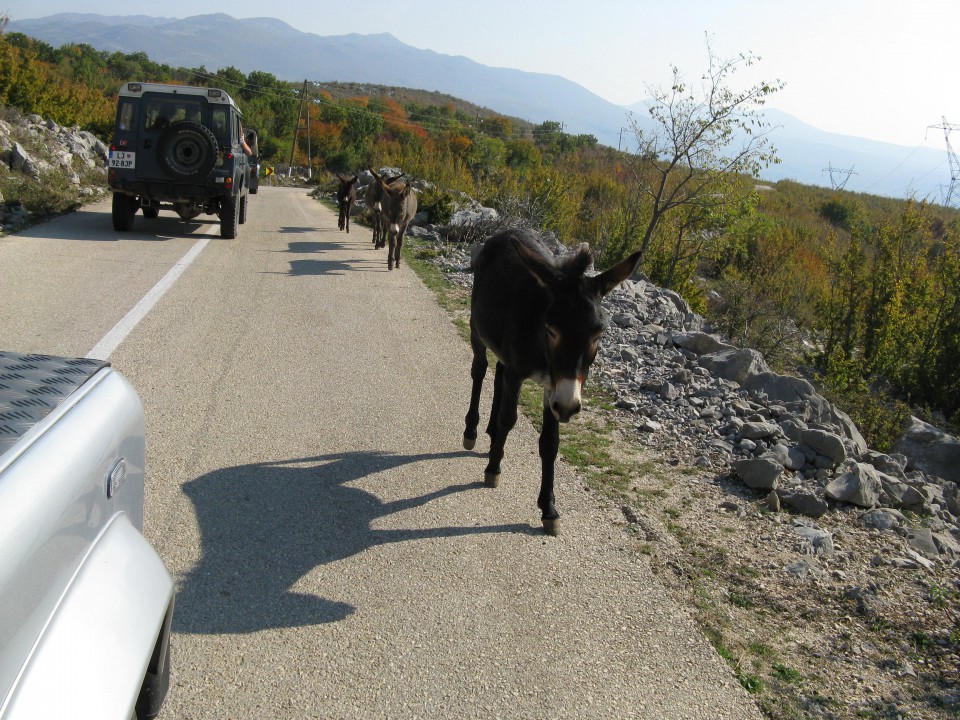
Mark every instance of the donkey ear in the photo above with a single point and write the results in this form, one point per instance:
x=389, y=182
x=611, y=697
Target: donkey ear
x=608, y=280
x=542, y=271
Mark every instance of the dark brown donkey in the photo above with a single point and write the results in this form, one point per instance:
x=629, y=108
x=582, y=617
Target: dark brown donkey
x=372, y=196
x=346, y=197
x=541, y=317
x=399, y=205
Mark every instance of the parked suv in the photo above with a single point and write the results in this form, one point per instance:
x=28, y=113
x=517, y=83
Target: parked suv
x=180, y=148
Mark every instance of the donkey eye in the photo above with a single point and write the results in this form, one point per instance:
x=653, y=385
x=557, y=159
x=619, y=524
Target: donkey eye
x=595, y=342
x=553, y=335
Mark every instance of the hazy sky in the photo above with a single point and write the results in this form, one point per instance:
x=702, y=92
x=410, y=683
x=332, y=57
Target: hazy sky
x=882, y=69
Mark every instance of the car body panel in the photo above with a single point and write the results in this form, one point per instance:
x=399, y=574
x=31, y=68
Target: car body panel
x=79, y=585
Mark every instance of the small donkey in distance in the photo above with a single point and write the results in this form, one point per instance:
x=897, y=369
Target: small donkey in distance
x=346, y=197
x=541, y=316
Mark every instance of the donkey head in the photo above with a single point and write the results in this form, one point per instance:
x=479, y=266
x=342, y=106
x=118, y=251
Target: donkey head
x=375, y=189
x=574, y=320
x=346, y=186
x=396, y=205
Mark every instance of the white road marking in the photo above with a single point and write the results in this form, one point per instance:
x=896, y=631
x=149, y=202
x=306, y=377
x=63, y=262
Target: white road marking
x=103, y=349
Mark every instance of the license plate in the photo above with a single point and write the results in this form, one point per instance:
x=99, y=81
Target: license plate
x=122, y=159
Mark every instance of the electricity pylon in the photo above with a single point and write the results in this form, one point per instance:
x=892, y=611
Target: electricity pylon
x=951, y=159
x=838, y=185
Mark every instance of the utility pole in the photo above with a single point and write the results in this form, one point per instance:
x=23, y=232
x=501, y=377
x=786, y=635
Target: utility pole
x=838, y=185
x=951, y=159
x=309, y=157
x=296, y=129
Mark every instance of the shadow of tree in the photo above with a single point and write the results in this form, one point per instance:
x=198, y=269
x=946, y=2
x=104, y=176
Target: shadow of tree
x=266, y=525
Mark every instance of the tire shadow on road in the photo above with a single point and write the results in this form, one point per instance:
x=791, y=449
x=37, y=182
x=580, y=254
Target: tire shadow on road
x=264, y=526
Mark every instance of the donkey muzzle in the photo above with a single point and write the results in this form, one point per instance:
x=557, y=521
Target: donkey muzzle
x=564, y=399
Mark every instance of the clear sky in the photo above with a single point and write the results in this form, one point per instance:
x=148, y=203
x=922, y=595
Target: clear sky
x=881, y=69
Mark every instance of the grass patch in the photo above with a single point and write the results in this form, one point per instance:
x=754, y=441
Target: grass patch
x=787, y=674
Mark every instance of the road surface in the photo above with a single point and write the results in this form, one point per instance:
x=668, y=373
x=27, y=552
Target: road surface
x=335, y=551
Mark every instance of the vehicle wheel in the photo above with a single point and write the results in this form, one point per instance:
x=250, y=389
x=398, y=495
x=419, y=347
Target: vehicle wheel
x=243, y=210
x=151, y=212
x=229, y=217
x=123, y=211
x=187, y=150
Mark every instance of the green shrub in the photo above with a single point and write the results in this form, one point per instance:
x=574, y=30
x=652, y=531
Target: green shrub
x=438, y=204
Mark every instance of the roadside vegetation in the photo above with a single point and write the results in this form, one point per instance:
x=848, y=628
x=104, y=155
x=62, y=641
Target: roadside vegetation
x=857, y=292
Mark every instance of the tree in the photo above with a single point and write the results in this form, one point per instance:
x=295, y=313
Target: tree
x=698, y=139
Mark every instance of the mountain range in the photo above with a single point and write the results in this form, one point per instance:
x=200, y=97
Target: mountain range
x=270, y=45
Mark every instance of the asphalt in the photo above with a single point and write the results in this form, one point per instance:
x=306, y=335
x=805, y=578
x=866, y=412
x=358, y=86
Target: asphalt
x=335, y=550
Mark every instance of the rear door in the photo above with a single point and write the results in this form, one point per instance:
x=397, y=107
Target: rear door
x=157, y=113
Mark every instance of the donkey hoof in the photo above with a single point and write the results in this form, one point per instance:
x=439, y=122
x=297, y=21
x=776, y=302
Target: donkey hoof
x=491, y=479
x=469, y=443
x=551, y=526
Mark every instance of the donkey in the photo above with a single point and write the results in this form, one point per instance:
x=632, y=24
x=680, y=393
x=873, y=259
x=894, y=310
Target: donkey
x=399, y=205
x=541, y=316
x=346, y=197
x=372, y=196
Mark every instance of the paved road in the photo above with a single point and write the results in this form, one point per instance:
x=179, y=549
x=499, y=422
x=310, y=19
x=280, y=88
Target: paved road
x=335, y=552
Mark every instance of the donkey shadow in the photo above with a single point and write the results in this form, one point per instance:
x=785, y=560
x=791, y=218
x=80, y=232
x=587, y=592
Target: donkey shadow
x=266, y=525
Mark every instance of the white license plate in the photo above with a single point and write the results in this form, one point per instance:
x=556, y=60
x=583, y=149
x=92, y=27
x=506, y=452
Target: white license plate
x=123, y=159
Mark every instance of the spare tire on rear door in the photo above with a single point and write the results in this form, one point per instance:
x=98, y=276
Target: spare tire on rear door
x=188, y=150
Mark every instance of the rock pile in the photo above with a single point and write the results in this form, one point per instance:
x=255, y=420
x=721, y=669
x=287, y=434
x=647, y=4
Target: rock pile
x=36, y=148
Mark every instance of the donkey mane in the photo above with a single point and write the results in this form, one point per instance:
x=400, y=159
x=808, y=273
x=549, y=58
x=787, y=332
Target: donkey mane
x=574, y=263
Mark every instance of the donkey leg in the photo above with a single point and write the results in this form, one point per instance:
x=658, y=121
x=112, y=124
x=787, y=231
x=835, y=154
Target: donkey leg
x=393, y=242
x=495, y=406
x=506, y=418
x=396, y=258
x=478, y=371
x=549, y=445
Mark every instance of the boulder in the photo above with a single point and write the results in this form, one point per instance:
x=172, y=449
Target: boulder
x=825, y=443
x=758, y=430
x=860, y=485
x=734, y=364
x=951, y=495
x=815, y=541
x=790, y=457
x=759, y=473
x=930, y=450
x=887, y=464
x=700, y=343
x=900, y=495
x=921, y=540
x=804, y=501
x=883, y=519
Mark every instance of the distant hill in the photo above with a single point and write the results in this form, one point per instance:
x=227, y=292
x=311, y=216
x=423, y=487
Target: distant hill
x=270, y=45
